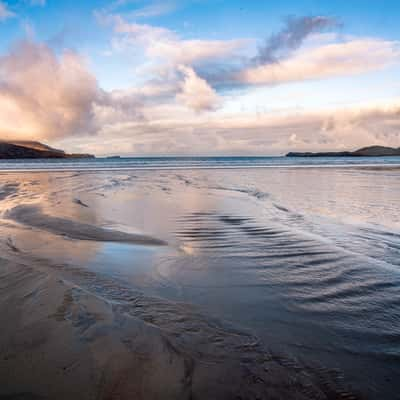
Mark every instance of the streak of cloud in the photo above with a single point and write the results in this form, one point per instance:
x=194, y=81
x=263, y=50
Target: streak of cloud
x=280, y=45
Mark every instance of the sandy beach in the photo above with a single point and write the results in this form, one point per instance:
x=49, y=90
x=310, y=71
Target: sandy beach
x=166, y=285
x=61, y=341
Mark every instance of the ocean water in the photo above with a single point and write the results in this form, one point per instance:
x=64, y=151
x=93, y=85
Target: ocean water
x=188, y=163
x=303, y=254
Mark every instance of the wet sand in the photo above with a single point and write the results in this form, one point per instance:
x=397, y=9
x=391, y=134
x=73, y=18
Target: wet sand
x=172, y=286
x=61, y=340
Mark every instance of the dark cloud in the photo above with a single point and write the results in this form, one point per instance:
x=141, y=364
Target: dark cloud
x=291, y=37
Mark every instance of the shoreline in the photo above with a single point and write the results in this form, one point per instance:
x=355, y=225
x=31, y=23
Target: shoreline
x=188, y=168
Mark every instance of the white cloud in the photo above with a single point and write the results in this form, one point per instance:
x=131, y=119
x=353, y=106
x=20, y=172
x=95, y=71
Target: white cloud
x=173, y=59
x=162, y=43
x=195, y=92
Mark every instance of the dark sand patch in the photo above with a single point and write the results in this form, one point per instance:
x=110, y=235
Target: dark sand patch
x=34, y=217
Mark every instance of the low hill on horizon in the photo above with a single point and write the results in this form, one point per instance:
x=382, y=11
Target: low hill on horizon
x=370, y=151
x=20, y=149
x=34, y=145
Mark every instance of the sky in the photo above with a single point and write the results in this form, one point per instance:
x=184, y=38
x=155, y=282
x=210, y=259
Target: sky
x=200, y=77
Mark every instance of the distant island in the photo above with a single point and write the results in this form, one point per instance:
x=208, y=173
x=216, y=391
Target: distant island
x=371, y=151
x=21, y=149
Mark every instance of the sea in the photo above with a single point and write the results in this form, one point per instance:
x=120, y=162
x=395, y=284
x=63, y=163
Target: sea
x=126, y=163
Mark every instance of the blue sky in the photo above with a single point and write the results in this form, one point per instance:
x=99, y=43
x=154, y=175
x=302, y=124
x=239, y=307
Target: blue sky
x=200, y=76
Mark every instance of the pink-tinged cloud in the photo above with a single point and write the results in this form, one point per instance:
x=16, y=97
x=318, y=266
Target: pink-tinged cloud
x=195, y=92
x=340, y=59
x=170, y=129
x=44, y=96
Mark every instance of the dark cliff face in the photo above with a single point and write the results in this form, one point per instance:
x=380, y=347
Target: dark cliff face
x=20, y=150
x=371, y=151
